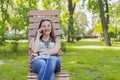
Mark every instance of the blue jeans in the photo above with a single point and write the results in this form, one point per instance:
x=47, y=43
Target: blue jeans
x=45, y=67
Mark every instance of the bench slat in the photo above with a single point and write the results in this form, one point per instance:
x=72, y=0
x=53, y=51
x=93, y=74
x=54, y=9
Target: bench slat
x=44, y=12
x=36, y=25
x=38, y=19
x=33, y=75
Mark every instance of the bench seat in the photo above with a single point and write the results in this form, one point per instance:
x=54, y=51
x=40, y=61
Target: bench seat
x=59, y=76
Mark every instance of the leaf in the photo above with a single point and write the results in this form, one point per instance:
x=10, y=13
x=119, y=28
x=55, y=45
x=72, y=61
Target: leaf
x=75, y=1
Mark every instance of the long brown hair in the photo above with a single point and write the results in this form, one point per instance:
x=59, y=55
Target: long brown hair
x=52, y=33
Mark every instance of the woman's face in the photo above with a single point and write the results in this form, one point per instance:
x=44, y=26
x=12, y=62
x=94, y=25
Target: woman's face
x=46, y=27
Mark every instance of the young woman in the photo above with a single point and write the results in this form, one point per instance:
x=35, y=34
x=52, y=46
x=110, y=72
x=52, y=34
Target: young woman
x=45, y=47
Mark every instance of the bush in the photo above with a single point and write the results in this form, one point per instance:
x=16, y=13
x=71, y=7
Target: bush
x=78, y=38
x=112, y=34
x=14, y=43
x=63, y=46
x=14, y=46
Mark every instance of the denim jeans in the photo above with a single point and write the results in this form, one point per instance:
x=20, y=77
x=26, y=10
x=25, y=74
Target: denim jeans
x=45, y=67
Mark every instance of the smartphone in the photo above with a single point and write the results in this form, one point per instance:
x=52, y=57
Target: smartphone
x=41, y=31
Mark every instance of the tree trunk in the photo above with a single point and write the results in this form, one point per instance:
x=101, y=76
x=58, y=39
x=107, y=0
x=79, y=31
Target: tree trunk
x=71, y=8
x=104, y=23
x=107, y=11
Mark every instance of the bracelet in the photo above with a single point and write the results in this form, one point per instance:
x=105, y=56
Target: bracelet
x=38, y=53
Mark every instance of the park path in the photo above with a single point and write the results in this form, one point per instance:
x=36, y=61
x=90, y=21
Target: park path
x=1, y=62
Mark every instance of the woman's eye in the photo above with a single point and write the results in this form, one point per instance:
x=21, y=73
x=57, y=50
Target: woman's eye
x=48, y=25
x=44, y=26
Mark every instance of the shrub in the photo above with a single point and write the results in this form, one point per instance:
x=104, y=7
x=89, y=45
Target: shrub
x=63, y=46
x=78, y=38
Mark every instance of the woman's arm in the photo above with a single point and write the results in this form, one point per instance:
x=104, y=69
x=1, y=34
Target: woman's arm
x=55, y=50
x=36, y=43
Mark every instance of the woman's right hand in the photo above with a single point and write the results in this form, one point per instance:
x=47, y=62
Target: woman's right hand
x=39, y=33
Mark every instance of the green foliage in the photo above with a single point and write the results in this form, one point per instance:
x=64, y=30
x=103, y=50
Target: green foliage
x=51, y=4
x=64, y=21
x=15, y=15
x=75, y=1
x=4, y=8
x=63, y=45
x=14, y=46
x=98, y=28
x=112, y=34
x=93, y=5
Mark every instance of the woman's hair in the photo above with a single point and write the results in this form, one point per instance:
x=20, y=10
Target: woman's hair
x=52, y=34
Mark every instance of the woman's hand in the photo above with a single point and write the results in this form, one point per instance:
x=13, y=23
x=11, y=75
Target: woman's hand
x=39, y=33
x=34, y=54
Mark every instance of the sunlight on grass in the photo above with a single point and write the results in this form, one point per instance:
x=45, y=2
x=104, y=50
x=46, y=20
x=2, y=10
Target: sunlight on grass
x=18, y=41
x=91, y=40
x=93, y=47
x=1, y=62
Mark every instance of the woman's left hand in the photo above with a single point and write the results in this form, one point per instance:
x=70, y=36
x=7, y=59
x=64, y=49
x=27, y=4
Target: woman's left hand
x=42, y=53
x=34, y=54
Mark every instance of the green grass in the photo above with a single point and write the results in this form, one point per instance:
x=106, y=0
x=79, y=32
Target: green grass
x=83, y=60
x=14, y=65
x=91, y=60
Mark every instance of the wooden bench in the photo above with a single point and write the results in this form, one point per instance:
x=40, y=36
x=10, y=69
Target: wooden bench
x=34, y=20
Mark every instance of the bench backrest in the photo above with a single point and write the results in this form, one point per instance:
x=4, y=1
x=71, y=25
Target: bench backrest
x=37, y=15
x=35, y=18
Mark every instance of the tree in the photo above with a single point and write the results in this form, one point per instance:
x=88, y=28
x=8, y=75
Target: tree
x=4, y=8
x=20, y=20
x=115, y=17
x=104, y=21
x=97, y=6
x=71, y=9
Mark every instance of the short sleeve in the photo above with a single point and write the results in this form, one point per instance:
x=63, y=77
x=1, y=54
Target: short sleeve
x=30, y=44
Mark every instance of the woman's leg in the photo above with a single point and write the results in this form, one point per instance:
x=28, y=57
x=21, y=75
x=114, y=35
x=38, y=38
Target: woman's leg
x=46, y=67
x=38, y=65
x=58, y=65
x=53, y=77
x=50, y=68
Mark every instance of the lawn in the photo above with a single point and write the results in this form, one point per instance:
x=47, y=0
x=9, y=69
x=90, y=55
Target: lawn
x=14, y=65
x=87, y=59
x=91, y=60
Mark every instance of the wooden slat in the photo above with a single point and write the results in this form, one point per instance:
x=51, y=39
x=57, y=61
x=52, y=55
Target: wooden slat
x=44, y=12
x=30, y=37
x=32, y=32
x=61, y=74
x=36, y=25
x=38, y=19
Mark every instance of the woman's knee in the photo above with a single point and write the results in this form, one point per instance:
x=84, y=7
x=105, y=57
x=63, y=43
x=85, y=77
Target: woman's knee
x=53, y=58
x=38, y=64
